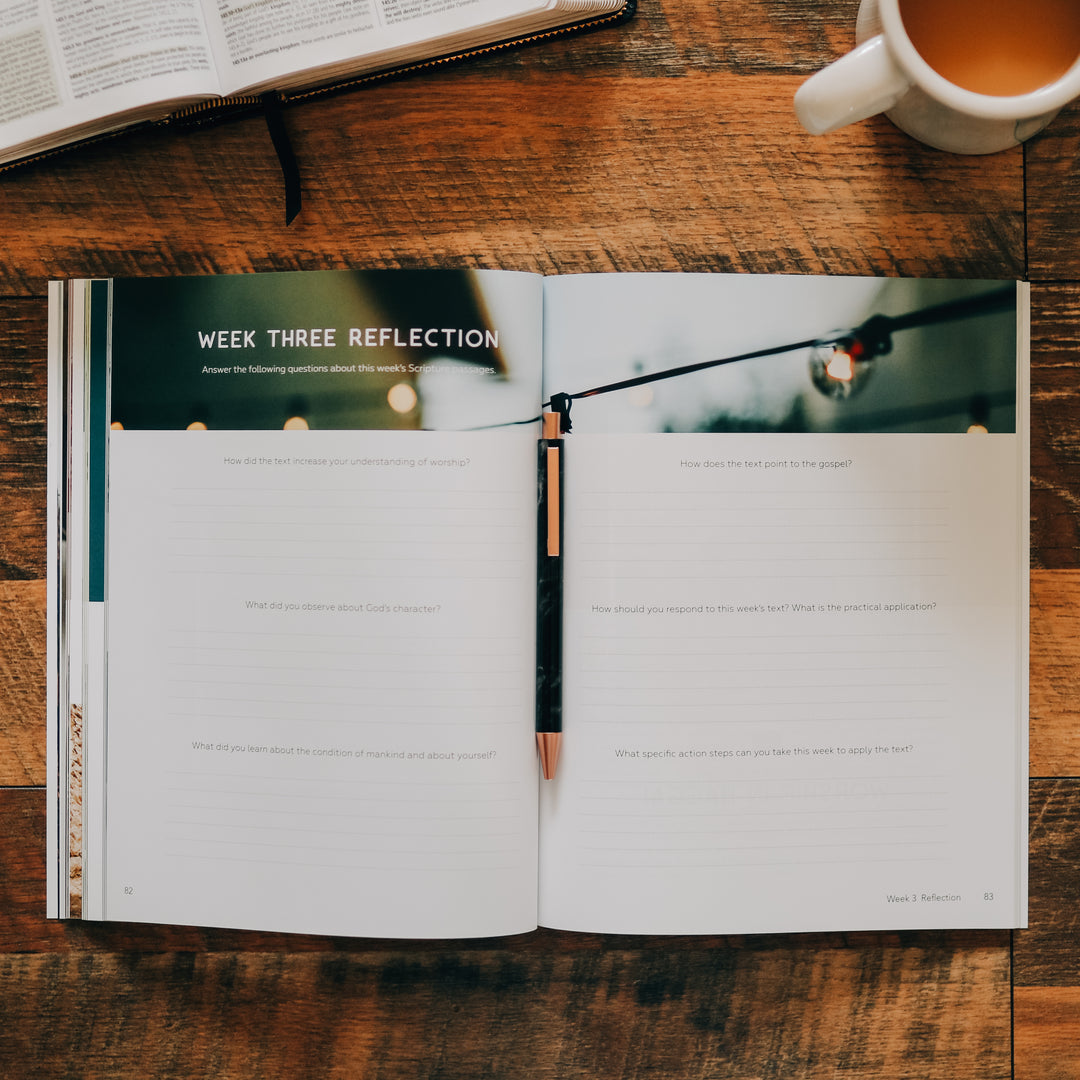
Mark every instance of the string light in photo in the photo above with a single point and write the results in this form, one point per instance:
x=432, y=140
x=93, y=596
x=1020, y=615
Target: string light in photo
x=840, y=363
x=401, y=397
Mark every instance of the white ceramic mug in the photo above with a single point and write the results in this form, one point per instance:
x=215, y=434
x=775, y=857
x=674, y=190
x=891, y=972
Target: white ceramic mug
x=885, y=73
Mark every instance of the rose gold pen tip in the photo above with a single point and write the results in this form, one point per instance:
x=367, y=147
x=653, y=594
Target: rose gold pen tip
x=547, y=742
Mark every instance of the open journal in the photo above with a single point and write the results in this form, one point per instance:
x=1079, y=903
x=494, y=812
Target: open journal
x=295, y=629
x=70, y=70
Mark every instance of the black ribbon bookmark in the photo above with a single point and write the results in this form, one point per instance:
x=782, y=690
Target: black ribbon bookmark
x=279, y=136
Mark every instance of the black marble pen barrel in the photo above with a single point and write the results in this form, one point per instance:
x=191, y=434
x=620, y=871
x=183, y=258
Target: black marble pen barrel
x=549, y=591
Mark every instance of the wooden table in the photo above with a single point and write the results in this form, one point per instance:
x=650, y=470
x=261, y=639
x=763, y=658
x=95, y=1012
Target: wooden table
x=668, y=144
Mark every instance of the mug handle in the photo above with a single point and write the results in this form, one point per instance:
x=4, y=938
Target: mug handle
x=863, y=83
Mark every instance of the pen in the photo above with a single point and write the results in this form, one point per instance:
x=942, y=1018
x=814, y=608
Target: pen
x=549, y=579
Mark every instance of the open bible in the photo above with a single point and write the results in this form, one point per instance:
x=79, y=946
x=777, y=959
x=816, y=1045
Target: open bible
x=71, y=70
x=299, y=523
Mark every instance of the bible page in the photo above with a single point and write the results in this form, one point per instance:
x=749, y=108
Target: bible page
x=66, y=65
x=795, y=608
x=293, y=43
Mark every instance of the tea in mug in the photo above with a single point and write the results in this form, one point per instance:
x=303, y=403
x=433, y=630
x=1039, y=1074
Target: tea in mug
x=996, y=47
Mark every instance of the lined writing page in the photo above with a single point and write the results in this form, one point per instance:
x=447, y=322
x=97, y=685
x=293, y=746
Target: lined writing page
x=791, y=684
x=320, y=682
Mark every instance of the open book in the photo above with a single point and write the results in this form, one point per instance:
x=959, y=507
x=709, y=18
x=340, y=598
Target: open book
x=294, y=608
x=69, y=71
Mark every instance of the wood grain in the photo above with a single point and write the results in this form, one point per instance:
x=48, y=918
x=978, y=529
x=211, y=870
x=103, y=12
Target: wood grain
x=22, y=682
x=1054, y=664
x=1053, y=192
x=447, y=170
x=663, y=144
x=22, y=439
x=1055, y=431
x=610, y=1014
x=1047, y=1033
x=1047, y=953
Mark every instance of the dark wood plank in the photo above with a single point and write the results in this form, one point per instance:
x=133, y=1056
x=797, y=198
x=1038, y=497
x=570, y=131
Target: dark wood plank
x=1055, y=412
x=1053, y=192
x=22, y=542
x=22, y=438
x=708, y=1013
x=752, y=37
x=1048, y=952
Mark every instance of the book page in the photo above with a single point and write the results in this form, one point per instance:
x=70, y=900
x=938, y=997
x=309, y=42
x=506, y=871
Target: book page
x=65, y=65
x=320, y=687
x=294, y=42
x=794, y=660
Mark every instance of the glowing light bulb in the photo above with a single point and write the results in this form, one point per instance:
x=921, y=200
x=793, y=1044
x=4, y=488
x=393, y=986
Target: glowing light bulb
x=116, y=426
x=295, y=423
x=401, y=398
x=196, y=425
x=978, y=429
x=839, y=368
